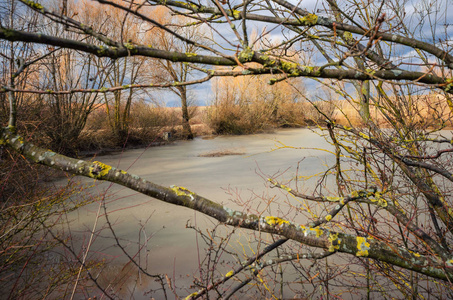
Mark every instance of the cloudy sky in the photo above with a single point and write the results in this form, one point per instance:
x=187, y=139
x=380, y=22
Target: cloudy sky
x=429, y=20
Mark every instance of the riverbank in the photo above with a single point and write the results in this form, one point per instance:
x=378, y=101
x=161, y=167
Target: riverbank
x=158, y=126
x=98, y=139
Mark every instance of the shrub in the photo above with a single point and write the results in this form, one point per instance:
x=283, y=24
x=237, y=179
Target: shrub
x=32, y=210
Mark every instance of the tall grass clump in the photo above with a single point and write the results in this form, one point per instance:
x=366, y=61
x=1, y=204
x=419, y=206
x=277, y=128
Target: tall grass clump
x=244, y=105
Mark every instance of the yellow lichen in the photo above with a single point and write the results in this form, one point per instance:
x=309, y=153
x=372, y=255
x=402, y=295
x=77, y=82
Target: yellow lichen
x=363, y=135
x=229, y=274
x=334, y=199
x=309, y=20
x=246, y=54
x=129, y=46
x=182, y=191
x=334, y=242
x=34, y=5
x=347, y=36
x=308, y=69
x=328, y=218
x=236, y=14
x=99, y=170
x=275, y=221
x=286, y=188
x=193, y=6
x=363, y=246
x=414, y=253
x=189, y=54
x=282, y=186
x=316, y=231
x=370, y=71
x=379, y=199
x=291, y=68
x=191, y=296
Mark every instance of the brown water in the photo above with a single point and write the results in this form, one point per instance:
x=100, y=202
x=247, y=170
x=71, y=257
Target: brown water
x=171, y=247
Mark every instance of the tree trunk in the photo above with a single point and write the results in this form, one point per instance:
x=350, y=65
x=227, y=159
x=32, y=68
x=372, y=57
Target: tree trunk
x=186, y=129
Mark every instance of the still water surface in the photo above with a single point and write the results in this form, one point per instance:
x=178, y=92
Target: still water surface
x=172, y=248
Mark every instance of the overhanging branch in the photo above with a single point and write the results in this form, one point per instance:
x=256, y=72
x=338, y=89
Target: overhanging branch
x=314, y=237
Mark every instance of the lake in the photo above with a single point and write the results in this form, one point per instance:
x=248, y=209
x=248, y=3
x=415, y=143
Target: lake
x=155, y=233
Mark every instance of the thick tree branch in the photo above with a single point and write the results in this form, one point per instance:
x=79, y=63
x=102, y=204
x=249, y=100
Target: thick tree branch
x=314, y=237
x=371, y=197
x=112, y=52
x=312, y=20
x=108, y=89
x=270, y=65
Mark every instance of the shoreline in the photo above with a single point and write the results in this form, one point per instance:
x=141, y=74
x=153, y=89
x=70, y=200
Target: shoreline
x=206, y=136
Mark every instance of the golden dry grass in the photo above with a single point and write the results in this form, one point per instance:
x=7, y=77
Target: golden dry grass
x=425, y=110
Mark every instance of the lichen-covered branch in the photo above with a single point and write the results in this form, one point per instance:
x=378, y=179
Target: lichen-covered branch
x=273, y=66
x=270, y=66
x=309, y=19
x=425, y=186
x=124, y=50
x=107, y=89
x=315, y=237
x=371, y=197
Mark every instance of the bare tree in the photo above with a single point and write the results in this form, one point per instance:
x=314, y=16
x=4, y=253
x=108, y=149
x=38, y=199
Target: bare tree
x=168, y=71
x=125, y=71
x=391, y=212
x=65, y=115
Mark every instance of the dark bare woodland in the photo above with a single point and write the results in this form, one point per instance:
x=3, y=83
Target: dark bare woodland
x=391, y=212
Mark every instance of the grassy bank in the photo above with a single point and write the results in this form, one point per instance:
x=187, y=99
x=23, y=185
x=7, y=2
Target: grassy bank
x=156, y=125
